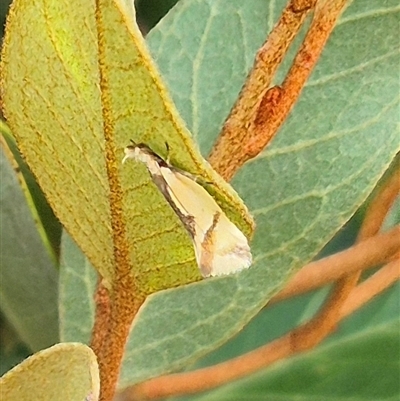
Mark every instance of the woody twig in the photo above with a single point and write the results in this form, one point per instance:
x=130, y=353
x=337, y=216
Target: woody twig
x=261, y=109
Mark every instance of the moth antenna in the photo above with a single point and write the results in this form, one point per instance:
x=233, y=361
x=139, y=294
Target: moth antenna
x=168, y=154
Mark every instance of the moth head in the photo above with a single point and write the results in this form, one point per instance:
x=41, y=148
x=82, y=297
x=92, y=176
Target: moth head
x=138, y=151
x=130, y=153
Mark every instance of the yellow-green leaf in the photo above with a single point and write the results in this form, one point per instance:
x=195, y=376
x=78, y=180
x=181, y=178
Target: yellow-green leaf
x=78, y=84
x=64, y=372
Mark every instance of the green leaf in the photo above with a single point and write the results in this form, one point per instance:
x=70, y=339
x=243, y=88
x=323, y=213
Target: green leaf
x=77, y=290
x=338, y=141
x=28, y=276
x=76, y=86
x=12, y=349
x=66, y=372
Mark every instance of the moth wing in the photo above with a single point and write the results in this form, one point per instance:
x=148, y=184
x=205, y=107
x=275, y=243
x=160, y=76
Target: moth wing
x=226, y=250
x=191, y=199
x=220, y=247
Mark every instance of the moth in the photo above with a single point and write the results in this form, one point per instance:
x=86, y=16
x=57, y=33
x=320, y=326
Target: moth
x=220, y=247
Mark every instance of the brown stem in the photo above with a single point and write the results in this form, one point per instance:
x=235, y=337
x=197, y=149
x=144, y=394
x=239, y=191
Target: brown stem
x=363, y=255
x=258, y=115
x=313, y=332
x=325, y=322
x=320, y=326
x=237, y=128
x=274, y=113
x=102, y=317
x=373, y=220
x=374, y=285
x=125, y=296
x=121, y=317
x=380, y=206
